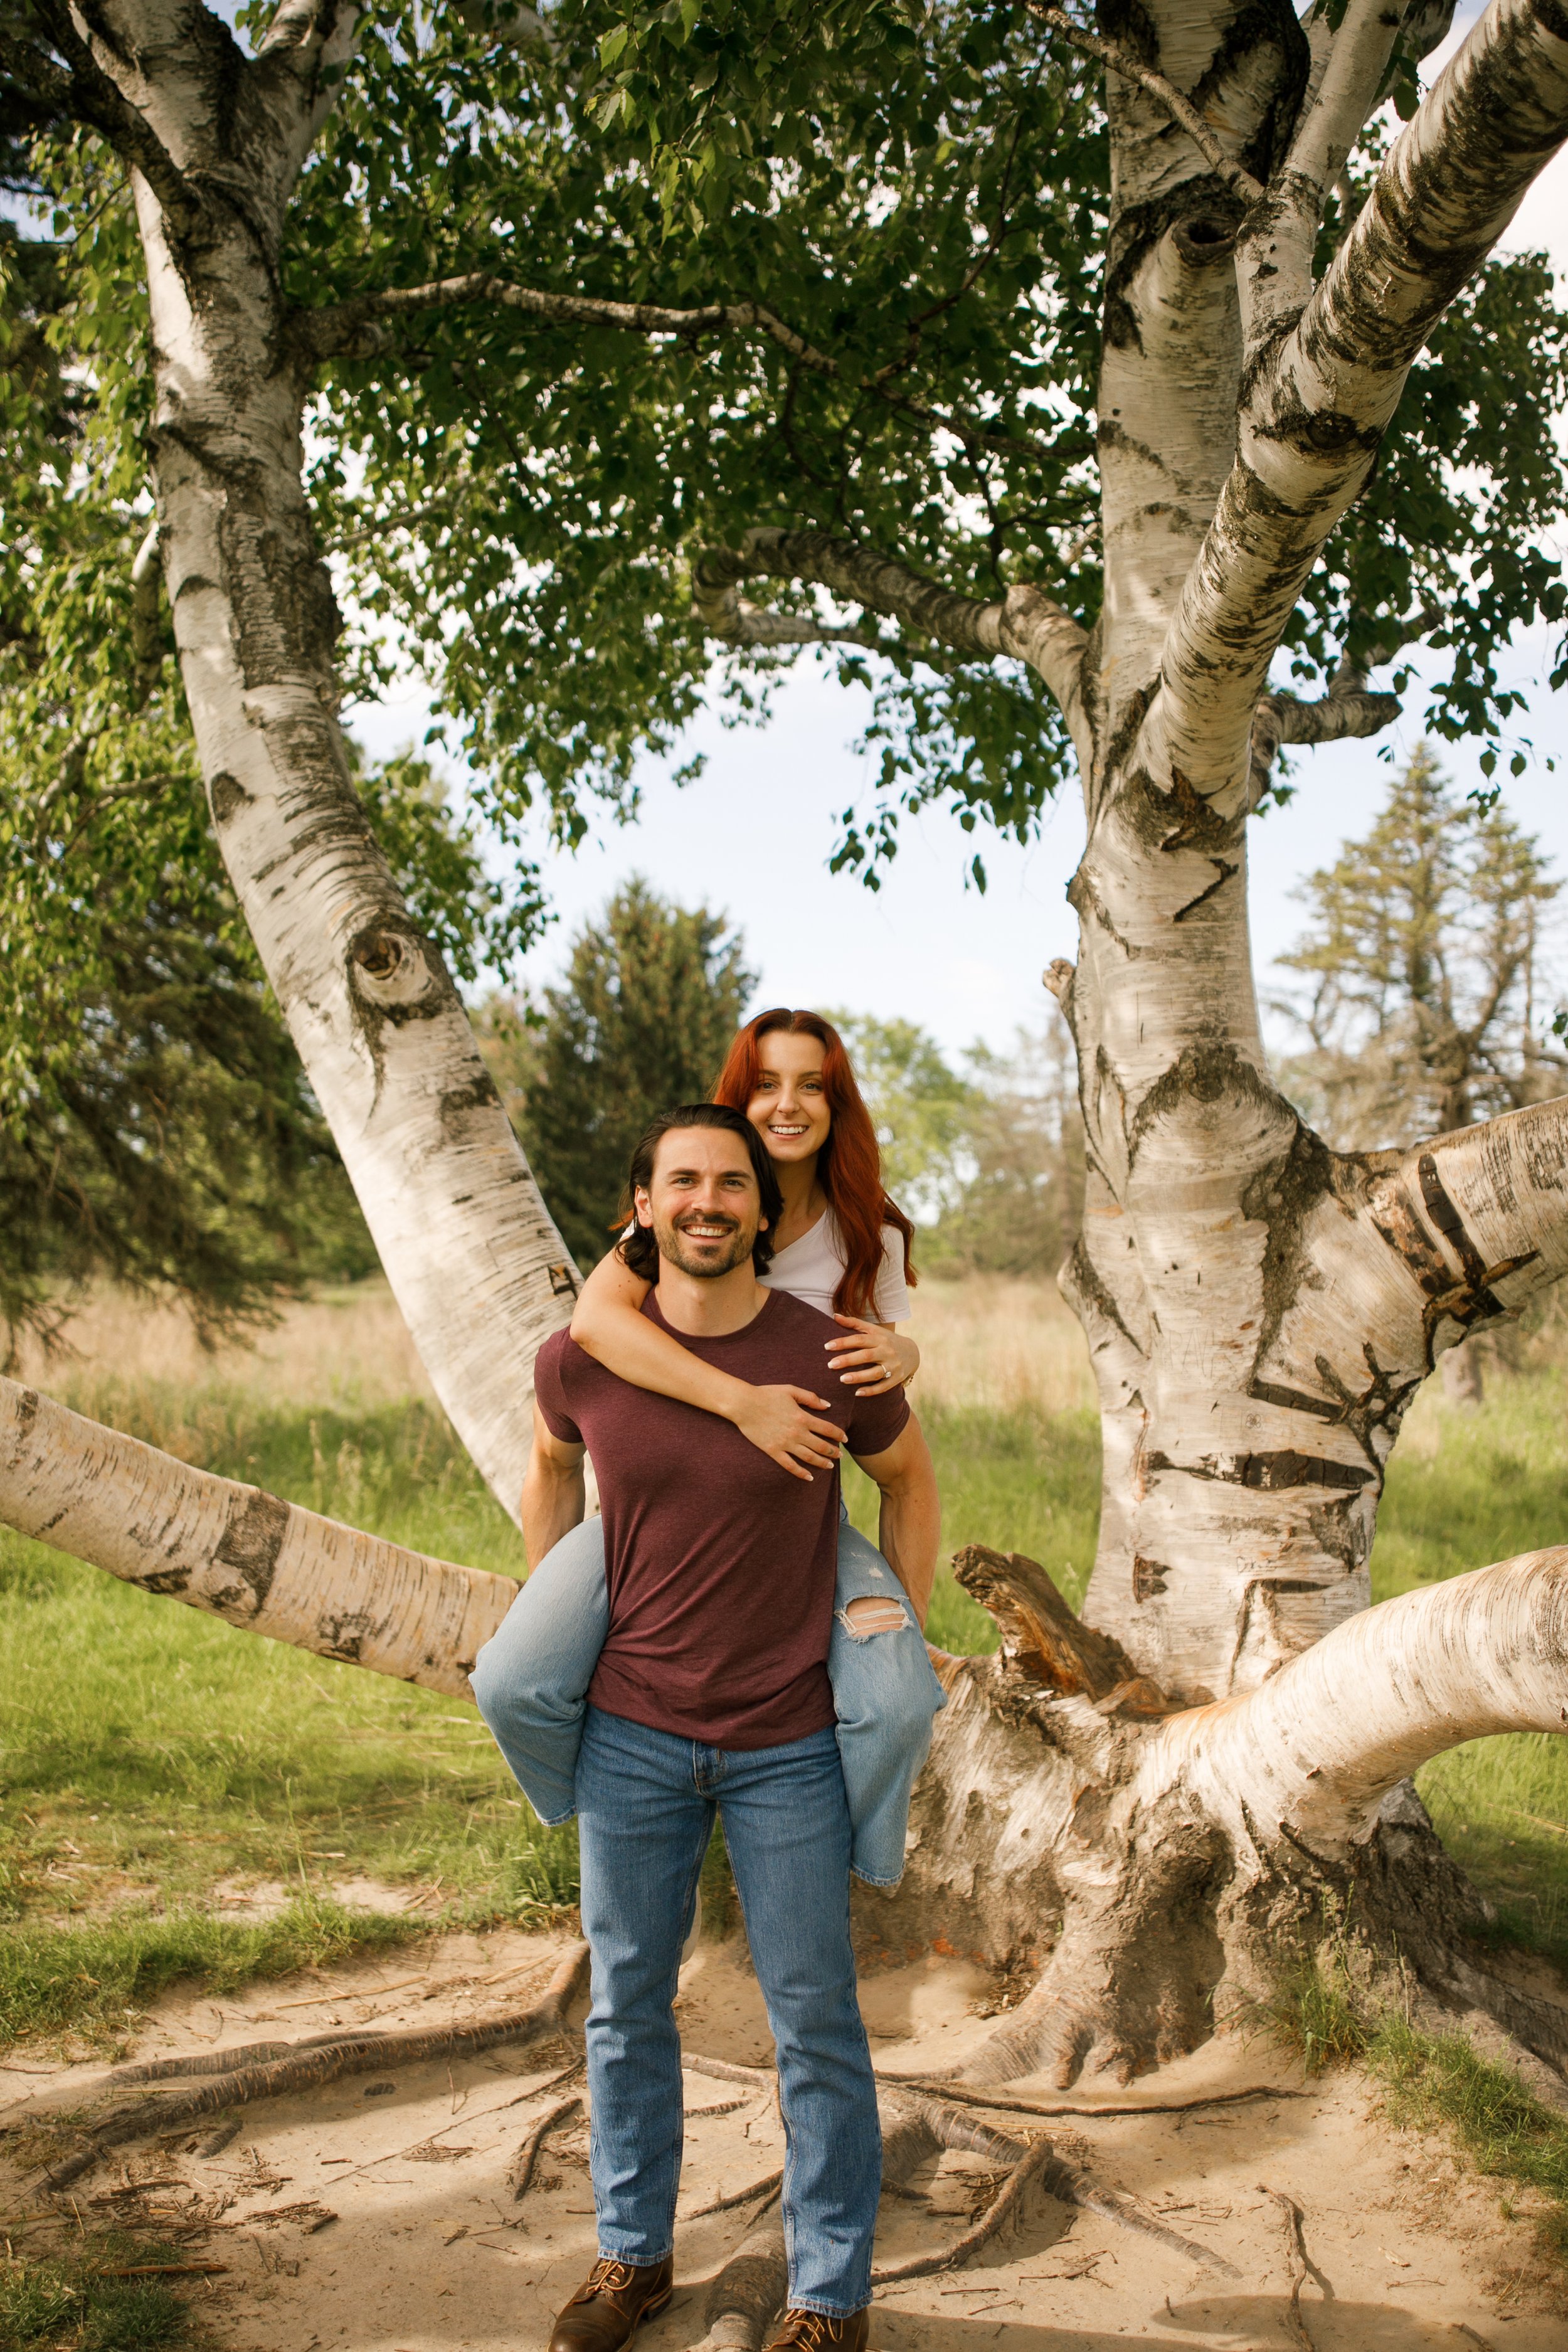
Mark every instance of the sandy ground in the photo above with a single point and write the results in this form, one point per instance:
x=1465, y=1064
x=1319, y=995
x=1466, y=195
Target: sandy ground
x=375, y=2212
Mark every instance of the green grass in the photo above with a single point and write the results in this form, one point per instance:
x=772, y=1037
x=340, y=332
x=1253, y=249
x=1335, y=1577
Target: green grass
x=148, y=1753
x=1018, y=1482
x=66, y=2302
x=1435, y=2081
x=92, y=1979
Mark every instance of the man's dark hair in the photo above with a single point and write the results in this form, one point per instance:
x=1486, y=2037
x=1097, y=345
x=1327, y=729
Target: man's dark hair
x=640, y=1251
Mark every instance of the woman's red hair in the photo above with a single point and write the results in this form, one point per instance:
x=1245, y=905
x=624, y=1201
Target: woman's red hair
x=849, y=1165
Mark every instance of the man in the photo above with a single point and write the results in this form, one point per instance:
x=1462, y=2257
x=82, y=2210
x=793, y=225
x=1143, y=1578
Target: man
x=711, y=1694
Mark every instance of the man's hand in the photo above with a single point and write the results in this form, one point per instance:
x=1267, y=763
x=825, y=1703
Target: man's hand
x=784, y=1425
x=553, y=1491
x=911, y=1526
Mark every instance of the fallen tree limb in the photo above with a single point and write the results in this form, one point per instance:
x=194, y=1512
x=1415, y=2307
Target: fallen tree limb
x=244, y=1555
x=318, y=2063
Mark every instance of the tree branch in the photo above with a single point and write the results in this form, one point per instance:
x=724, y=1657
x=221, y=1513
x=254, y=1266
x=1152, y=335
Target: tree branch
x=354, y=330
x=1310, y=1754
x=1322, y=399
x=1024, y=624
x=243, y=1554
x=1347, y=709
x=85, y=93
x=1182, y=111
x=348, y=329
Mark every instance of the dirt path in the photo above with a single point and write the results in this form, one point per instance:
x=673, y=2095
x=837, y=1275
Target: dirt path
x=425, y=2250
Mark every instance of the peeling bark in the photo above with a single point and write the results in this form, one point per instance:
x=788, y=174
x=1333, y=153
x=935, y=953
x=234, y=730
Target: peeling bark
x=243, y=1554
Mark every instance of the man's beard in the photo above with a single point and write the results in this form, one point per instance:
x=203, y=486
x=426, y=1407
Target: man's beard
x=707, y=1265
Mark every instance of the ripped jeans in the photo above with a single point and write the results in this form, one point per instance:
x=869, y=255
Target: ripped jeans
x=531, y=1681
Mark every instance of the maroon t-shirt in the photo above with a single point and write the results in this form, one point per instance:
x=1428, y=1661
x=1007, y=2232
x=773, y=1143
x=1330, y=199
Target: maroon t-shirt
x=721, y=1566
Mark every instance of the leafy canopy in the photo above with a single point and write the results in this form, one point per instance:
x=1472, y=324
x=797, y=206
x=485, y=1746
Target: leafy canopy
x=919, y=193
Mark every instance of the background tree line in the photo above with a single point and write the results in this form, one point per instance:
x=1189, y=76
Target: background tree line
x=160, y=1131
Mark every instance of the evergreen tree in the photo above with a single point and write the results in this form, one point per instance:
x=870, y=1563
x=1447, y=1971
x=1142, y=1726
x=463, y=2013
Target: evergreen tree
x=1424, y=951
x=652, y=996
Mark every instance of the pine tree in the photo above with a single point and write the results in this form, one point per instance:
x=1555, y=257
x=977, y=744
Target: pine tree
x=1424, y=950
x=653, y=995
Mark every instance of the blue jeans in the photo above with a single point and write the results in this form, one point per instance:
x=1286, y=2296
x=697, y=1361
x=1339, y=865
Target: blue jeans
x=646, y=1802
x=530, y=1681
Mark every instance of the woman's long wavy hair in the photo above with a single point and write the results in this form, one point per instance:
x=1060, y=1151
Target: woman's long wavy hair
x=849, y=1165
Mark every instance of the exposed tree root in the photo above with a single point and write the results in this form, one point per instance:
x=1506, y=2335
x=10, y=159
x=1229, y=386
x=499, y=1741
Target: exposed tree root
x=767, y=2187
x=522, y=2172
x=1296, y=2245
x=1000, y=2104
x=750, y=2287
x=692, y=2063
x=1035, y=2163
x=315, y=2061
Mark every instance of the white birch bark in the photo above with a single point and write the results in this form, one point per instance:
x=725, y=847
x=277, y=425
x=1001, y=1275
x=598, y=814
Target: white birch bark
x=476, y=1266
x=246, y=1556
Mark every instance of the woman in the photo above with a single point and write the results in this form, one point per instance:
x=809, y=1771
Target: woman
x=842, y=1246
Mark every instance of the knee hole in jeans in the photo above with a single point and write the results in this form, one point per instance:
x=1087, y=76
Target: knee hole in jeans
x=868, y=1614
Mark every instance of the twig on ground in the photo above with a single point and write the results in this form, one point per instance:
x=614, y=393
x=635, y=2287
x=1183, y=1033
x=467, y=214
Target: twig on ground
x=1296, y=2248
x=162, y=2269
x=1028, y=2169
x=527, y=2156
x=326, y=2059
x=216, y=2142
x=768, y=2188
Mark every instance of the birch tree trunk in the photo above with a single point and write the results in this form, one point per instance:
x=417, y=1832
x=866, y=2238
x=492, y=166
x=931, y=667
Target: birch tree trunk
x=478, y=1267
x=1153, y=1803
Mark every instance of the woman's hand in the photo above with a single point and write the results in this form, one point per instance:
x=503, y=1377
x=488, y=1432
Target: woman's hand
x=872, y=1357
x=784, y=1425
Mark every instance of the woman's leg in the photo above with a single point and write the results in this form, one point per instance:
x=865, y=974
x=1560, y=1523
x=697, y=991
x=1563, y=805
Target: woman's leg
x=885, y=1695
x=531, y=1676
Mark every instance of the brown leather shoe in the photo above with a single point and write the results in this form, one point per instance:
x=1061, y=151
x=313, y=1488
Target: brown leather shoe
x=612, y=2304
x=813, y=2331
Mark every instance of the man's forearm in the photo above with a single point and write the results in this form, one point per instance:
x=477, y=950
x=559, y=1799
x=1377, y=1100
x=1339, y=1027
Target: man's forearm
x=553, y=1498
x=908, y=1531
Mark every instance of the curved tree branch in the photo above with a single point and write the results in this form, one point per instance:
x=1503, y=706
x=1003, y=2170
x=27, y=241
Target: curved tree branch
x=243, y=1554
x=1323, y=397
x=1118, y=59
x=1310, y=1755
x=1025, y=624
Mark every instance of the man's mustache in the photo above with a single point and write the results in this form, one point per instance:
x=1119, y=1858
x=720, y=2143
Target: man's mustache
x=689, y=1217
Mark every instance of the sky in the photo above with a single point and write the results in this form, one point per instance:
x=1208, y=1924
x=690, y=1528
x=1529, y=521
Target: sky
x=753, y=837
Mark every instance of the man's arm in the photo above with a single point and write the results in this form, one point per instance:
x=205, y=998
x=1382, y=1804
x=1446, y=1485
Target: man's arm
x=911, y=1524
x=553, y=1491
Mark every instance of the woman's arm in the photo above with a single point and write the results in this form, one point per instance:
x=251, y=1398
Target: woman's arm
x=783, y=1423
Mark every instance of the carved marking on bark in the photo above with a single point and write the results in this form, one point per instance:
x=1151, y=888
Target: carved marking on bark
x=252, y=1541
x=1148, y=1577
x=1270, y=1472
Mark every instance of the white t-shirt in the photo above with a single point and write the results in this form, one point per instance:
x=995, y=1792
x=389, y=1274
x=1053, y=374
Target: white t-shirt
x=813, y=1268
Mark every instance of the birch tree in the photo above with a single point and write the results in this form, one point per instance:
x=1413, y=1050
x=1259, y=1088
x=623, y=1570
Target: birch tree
x=874, y=270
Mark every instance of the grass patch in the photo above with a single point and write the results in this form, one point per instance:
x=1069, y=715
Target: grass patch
x=1019, y=1481
x=92, y=1979
x=1435, y=2080
x=151, y=1754
x=67, y=2303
